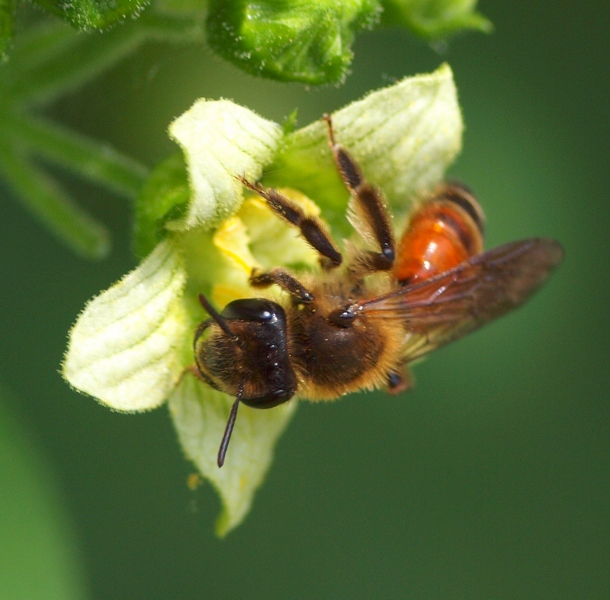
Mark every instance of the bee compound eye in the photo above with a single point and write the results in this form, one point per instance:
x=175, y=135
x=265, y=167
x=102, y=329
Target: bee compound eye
x=254, y=309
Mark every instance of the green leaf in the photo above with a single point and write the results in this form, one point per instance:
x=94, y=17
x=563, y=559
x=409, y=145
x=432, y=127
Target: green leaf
x=404, y=137
x=221, y=141
x=125, y=348
x=434, y=19
x=298, y=40
x=93, y=14
x=200, y=417
x=38, y=554
x=7, y=18
x=163, y=198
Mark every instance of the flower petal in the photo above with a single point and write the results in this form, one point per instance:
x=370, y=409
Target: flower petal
x=221, y=141
x=200, y=416
x=404, y=137
x=125, y=348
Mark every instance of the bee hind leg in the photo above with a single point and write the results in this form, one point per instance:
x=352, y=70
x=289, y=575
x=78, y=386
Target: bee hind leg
x=367, y=212
x=399, y=381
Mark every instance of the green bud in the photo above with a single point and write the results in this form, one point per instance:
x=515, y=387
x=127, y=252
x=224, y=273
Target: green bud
x=299, y=40
x=93, y=14
x=435, y=19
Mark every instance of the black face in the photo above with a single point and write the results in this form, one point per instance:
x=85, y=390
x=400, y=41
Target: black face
x=252, y=356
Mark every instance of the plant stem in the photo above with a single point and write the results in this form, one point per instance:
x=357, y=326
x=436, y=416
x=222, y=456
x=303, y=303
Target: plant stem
x=47, y=201
x=88, y=158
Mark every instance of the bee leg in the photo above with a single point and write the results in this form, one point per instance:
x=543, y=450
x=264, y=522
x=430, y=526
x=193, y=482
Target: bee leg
x=190, y=370
x=399, y=381
x=365, y=262
x=367, y=210
x=199, y=374
x=283, y=279
x=311, y=228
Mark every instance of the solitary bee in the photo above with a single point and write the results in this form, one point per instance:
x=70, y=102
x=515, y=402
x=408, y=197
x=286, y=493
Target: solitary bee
x=361, y=321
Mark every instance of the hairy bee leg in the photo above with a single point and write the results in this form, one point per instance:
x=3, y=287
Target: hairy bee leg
x=370, y=215
x=365, y=262
x=283, y=279
x=399, y=381
x=311, y=228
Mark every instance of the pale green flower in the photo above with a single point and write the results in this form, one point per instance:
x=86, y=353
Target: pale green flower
x=131, y=345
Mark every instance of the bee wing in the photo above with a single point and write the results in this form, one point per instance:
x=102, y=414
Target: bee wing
x=446, y=307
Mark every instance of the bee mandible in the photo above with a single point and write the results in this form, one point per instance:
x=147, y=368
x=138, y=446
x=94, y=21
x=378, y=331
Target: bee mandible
x=360, y=321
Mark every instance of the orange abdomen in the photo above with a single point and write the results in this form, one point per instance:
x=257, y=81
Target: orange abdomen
x=445, y=231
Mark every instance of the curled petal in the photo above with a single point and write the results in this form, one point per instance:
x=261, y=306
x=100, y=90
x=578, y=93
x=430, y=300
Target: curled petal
x=221, y=141
x=125, y=348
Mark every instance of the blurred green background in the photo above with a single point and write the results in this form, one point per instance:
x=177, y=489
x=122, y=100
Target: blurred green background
x=490, y=480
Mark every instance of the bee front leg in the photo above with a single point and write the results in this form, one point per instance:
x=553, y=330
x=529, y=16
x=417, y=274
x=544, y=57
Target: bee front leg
x=283, y=279
x=312, y=229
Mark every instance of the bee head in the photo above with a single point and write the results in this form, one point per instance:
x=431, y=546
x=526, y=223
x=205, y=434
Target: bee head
x=243, y=351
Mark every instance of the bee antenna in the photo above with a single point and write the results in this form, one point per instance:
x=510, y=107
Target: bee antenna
x=218, y=318
x=226, y=438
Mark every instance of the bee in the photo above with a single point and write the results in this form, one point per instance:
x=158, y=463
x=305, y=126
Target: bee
x=360, y=321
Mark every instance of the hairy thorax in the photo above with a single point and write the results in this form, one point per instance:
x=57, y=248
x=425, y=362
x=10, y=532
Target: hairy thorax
x=331, y=360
